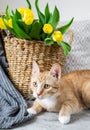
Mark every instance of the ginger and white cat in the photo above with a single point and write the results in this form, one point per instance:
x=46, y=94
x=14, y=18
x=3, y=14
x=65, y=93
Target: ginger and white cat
x=67, y=95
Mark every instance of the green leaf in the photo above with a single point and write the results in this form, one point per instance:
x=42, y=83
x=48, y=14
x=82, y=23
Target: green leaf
x=43, y=36
x=17, y=15
x=50, y=18
x=47, y=13
x=66, y=47
x=54, y=19
x=8, y=13
x=48, y=41
x=35, y=31
x=20, y=32
x=12, y=12
x=40, y=14
x=28, y=3
x=25, y=27
x=3, y=17
x=64, y=28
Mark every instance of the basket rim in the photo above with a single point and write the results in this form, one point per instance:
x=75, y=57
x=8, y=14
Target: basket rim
x=70, y=33
x=26, y=40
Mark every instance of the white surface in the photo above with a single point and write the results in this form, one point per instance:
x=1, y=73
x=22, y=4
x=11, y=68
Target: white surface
x=80, y=9
x=49, y=121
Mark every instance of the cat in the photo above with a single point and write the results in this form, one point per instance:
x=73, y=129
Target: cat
x=67, y=95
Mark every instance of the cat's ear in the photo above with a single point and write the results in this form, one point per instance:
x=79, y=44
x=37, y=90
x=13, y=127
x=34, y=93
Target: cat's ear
x=56, y=71
x=35, y=69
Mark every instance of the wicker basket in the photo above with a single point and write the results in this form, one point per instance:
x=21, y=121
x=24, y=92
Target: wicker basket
x=20, y=54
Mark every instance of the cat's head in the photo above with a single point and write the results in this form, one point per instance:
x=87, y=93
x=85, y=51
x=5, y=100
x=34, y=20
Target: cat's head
x=45, y=84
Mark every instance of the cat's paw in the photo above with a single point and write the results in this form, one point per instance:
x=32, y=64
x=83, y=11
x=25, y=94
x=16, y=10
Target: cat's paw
x=32, y=111
x=64, y=119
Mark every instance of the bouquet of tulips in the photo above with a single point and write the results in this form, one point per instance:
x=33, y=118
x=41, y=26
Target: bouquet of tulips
x=22, y=24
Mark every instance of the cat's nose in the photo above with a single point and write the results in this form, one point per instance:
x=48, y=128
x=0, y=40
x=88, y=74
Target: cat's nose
x=38, y=94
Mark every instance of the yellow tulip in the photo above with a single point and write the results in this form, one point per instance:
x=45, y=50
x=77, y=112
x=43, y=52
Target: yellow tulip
x=28, y=16
x=47, y=28
x=57, y=36
x=2, y=25
x=9, y=22
x=21, y=11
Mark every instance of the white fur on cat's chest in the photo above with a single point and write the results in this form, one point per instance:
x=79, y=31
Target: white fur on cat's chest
x=49, y=103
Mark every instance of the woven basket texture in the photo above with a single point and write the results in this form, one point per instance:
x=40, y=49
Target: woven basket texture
x=20, y=54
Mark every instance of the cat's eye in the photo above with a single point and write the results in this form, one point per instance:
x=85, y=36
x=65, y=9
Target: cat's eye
x=46, y=86
x=35, y=84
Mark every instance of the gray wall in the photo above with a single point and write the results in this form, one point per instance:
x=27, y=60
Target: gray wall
x=80, y=9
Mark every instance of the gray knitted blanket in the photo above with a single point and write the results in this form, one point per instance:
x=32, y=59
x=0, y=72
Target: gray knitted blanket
x=13, y=107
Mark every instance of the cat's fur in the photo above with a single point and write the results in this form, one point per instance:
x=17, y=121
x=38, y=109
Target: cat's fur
x=67, y=95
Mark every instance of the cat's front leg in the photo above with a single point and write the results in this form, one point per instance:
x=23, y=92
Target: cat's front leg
x=69, y=107
x=36, y=108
